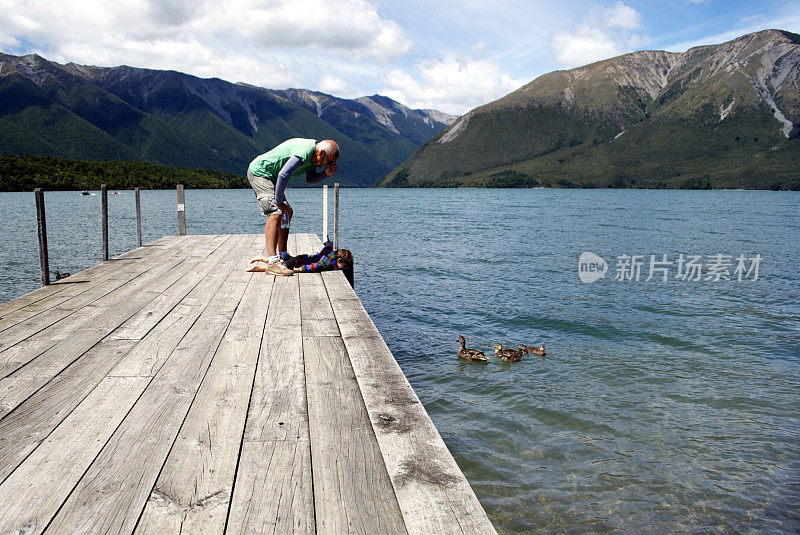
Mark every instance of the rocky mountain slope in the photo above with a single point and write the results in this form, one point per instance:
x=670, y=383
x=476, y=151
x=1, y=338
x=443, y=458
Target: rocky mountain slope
x=170, y=118
x=715, y=116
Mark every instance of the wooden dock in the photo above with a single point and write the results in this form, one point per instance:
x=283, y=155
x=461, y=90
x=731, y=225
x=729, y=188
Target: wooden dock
x=170, y=391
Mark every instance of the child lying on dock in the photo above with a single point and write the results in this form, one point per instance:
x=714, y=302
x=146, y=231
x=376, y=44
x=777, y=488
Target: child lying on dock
x=325, y=260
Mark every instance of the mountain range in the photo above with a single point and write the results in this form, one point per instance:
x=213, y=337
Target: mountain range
x=84, y=112
x=714, y=116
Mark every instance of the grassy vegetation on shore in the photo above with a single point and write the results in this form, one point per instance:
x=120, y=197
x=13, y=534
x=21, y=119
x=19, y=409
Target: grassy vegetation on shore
x=24, y=173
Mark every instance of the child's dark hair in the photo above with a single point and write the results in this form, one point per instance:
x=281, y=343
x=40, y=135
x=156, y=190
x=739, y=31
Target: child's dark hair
x=345, y=257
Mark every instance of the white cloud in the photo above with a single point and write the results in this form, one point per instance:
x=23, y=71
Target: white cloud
x=353, y=26
x=586, y=46
x=8, y=41
x=360, y=47
x=791, y=24
x=451, y=84
x=622, y=16
x=601, y=35
x=336, y=85
x=273, y=44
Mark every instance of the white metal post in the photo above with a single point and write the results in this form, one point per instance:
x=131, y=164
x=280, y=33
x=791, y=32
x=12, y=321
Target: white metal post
x=324, y=214
x=336, y=215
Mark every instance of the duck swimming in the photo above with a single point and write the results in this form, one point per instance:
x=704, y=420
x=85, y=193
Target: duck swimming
x=533, y=350
x=470, y=354
x=507, y=355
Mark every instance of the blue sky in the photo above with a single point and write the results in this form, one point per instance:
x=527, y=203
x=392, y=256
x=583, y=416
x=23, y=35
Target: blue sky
x=450, y=56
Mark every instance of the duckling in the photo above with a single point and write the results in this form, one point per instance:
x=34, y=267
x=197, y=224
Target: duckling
x=470, y=354
x=533, y=350
x=507, y=355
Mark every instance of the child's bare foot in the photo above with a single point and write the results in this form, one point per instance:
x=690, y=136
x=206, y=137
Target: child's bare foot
x=257, y=268
x=259, y=258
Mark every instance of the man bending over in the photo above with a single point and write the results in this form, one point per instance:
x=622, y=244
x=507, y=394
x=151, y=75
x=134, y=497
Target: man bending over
x=269, y=173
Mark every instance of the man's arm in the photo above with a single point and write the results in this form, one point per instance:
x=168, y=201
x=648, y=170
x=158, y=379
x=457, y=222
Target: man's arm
x=314, y=177
x=284, y=175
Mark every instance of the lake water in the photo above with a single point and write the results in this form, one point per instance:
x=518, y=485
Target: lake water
x=660, y=406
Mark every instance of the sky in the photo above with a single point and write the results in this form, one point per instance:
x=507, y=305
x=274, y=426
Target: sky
x=449, y=56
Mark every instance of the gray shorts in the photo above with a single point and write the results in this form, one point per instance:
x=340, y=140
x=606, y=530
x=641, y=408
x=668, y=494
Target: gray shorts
x=265, y=193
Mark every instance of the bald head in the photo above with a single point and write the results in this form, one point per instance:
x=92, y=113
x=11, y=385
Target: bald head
x=326, y=153
x=329, y=147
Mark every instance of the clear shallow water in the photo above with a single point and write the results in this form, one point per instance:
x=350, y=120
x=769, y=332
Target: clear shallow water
x=660, y=406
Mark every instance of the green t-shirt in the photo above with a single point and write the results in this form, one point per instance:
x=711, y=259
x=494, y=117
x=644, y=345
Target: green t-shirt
x=269, y=164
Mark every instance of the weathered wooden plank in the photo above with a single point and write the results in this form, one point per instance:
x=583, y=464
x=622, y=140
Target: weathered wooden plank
x=58, y=338
x=339, y=292
x=278, y=407
x=431, y=490
x=41, y=321
x=314, y=303
x=273, y=489
x=25, y=428
x=292, y=245
x=320, y=327
x=304, y=244
x=120, y=277
x=357, y=322
x=285, y=290
x=352, y=490
x=95, y=323
x=155, y=348
x=120, y=267
x=66, y=289
x=17, y=355
x=318, y=318
x=114, y=490
x=32, y=494
x=87, y=274
x=145, y=319
x=77, y=282
x=315, y=308
x=195, y=486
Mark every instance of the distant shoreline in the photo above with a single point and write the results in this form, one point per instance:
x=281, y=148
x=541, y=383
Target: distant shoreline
x=24, y=173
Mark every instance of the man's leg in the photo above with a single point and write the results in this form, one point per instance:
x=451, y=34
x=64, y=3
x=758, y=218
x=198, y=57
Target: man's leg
x=283, y=238
x=264, y=190
x=272, y=235
x=272, y=232
x=266, y=200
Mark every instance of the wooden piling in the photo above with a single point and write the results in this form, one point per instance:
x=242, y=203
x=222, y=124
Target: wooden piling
x=324, y=213
x=104, y=194
x=181, y=211
x=348, y=274
x=41, y=220
x=138, y=219
x=336, y=215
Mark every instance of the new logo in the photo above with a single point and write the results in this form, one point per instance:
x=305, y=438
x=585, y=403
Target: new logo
x=591, y=267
